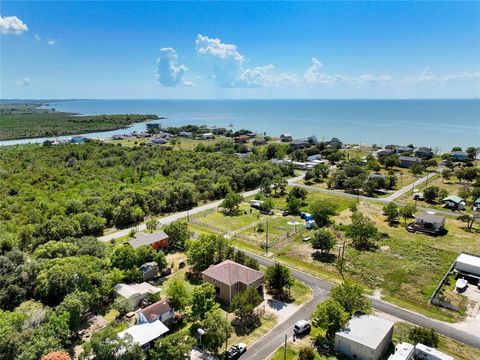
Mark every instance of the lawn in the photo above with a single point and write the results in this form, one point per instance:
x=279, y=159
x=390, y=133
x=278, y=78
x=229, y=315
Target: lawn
x=181, y=143
x=452, y=186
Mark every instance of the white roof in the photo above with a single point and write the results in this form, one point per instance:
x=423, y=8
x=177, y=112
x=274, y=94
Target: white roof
x=403, y=351
x=144, y=333
x=420, y=348
x=367, y=330
x=131, y=291
x=469, y=259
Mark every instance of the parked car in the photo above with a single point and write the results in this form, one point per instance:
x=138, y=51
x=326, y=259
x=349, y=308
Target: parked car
x=266, y=212
x=302, y=327
x=236, y=351
x=285, y=213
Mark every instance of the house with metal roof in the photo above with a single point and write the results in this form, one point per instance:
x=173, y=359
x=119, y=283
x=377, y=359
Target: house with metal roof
x=157, y=240
x=408, y=161
x=229, y=278
x=427, y=223
x=143, y=334
x=135, y=293
x=454, y=202
x=366, y=337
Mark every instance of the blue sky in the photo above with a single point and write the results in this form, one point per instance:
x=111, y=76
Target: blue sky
x=240, y=49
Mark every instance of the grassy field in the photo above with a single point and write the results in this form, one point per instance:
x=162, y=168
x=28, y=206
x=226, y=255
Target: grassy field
x=29, y=123
x=406, y=267
x=452, y=186
x=181, y=143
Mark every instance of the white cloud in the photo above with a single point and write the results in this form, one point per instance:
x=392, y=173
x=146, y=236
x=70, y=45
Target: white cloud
x=214, y=47
x=167, y=72
x=37, y=37
x=51, y=42
x=23, y=82
x=314, y=75
x=465, y=76
x=425, y=76
x=12, y=25
x=230, y=72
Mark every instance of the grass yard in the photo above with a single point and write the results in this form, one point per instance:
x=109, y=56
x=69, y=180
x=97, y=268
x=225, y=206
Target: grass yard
x=452, y=186
x=181, y=143
x=225, y=222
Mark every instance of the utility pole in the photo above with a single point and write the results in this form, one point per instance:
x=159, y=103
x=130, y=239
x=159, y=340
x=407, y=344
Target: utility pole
x=285, y=349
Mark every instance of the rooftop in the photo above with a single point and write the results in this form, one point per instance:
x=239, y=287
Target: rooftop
x=468, y=259
x=409, y=158
x=154, y=310
x=230, y=273
x=453, y=198
x=430, y=218
x=147, y=239
x=367, y=330
x=403, y=351
x=133, y=290
x=144, y=333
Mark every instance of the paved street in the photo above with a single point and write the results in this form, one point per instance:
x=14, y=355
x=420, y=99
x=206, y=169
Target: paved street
x=276, y=337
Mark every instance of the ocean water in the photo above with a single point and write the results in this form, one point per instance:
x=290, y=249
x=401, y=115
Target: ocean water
x=435, y=123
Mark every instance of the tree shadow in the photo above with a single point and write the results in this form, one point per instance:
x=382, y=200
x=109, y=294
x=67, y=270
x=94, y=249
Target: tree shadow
x=327, y=258
x=246, y=326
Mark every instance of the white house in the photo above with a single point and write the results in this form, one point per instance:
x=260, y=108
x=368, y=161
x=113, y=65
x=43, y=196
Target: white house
x=144, y=333
x=366, y=337
x=135, y=293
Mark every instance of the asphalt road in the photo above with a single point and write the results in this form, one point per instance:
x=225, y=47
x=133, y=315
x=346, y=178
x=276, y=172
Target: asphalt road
x=265, y=346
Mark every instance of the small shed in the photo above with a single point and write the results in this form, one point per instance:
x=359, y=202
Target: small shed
x=366, y=337
x=408, y=161
x=149, y=270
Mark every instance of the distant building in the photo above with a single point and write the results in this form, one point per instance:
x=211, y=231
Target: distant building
x=78, y=139
x=476, y=205
x=459, y=155
x=185, y=134
x=241, y=139
x=161, y=310
x=403, y=351
x=454, y=202
x=207, y=136
x=427, y=223
x=366, y=337
x=286, y=137
x=424, y=352
x=299, y=144
x=219, y=131
x=154, y=126
x=144, y=334
x=385, y=152
x=135, y=293
x=376, y=176
x=314, y=157
x=404, y=149
x=149, y=270
x=229, y=278
x=408, y=161
x=312, y=140
x=157, y=240
x=259, y=142
x=158, y=141
x=424, y=153
x=335, y=142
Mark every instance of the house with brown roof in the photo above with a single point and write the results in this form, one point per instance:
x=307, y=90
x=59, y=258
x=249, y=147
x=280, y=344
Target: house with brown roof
x=157, y=240
x=229, y=278
x=161, y=310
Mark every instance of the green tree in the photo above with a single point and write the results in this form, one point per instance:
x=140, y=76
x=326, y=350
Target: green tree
x=293, y=205
x=178, y=294
x=203, y=300
x=351, y=297
x=298, y=193
x=446, y=175
x=407, y=212
x=178, y=233
x=424, y=336
x=176, y=346
x=90, y=224
x=391, y=212
x=151, y=224
x=231, y=202
x=306, y=353
x=75, y=304
x=362, y=231
x=106, y=345
x=217, y=330
x=430, y=194
x=330, y=316
x=279, y=279
x=323, y=240
x=124, y=257
x=416, y=169
x=244, y=303
x=322, y=210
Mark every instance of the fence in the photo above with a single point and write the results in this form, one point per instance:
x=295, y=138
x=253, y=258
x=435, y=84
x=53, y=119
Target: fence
x=436, y=301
